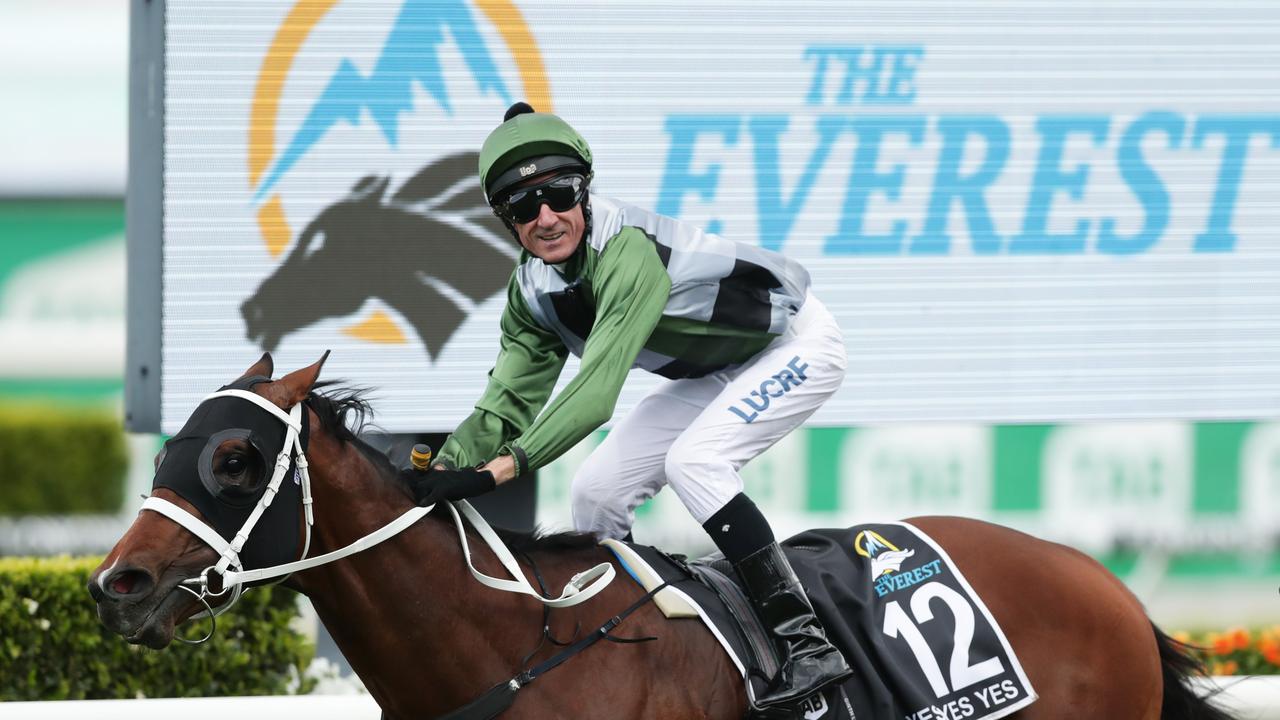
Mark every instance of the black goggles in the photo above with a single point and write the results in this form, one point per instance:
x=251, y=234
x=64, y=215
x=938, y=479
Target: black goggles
x=560, y=193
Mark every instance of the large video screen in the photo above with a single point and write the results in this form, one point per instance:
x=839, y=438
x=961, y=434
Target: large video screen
x=1018, y=214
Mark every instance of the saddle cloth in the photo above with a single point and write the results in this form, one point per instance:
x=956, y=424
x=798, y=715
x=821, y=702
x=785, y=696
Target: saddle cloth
x=921, y=644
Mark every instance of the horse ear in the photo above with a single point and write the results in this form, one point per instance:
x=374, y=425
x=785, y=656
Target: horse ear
x=262, y=368
x=379, y=190
x=294, y=387
x=370, y=189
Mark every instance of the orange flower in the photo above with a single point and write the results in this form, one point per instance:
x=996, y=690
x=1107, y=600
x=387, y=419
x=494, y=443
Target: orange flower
x=1221, y=644
x=1270, y=649
x=1240, y=639
x=1183, y=637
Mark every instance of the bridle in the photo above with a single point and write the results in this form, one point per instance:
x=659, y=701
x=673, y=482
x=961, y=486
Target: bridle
x=233, y=576
x=229, y=566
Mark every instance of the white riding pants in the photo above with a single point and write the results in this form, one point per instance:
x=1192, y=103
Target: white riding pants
x=696, y=433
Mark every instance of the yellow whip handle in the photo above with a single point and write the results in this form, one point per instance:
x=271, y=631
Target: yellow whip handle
x=421, y=457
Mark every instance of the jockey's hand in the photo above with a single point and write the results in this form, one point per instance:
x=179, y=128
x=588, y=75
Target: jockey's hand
x=430, y=488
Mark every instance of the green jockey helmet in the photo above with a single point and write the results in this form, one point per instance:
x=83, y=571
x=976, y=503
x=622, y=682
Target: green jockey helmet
x=526, y=144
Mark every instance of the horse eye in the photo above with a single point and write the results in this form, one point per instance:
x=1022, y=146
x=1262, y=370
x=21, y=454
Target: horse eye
x=316, y=243
x=235, y=465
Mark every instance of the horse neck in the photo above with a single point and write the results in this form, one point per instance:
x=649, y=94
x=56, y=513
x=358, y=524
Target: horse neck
x=406, y=609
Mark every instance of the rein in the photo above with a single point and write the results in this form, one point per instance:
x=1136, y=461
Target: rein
x=230, y=569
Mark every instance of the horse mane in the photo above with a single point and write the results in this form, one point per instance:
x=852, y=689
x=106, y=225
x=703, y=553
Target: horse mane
x=345, y=413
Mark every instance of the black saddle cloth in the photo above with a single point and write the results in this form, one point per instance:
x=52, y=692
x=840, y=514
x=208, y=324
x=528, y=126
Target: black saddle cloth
x=922, y=646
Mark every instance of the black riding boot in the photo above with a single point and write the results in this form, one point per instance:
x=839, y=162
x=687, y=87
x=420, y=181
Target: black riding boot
x=809, y=661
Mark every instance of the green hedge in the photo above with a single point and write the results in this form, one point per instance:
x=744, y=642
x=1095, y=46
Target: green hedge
x=52, y=646
x=60, y=461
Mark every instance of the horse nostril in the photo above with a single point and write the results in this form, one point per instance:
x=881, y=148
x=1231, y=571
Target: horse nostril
x=128, y=583
x=95, y=592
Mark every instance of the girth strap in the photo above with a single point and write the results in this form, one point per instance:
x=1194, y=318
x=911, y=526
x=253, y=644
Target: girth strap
x=501, y=696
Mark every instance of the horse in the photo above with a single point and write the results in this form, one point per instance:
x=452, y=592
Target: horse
x=426, y=639
x=431, y=252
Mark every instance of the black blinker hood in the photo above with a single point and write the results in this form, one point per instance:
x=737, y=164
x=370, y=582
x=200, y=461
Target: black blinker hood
x=186, y=468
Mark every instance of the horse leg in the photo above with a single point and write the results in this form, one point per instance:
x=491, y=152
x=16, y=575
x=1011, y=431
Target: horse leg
x=1084, y=640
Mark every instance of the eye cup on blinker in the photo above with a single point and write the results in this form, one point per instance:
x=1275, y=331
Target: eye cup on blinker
x=232, y=495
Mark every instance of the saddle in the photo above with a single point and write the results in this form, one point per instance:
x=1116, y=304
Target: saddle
x=922, y=645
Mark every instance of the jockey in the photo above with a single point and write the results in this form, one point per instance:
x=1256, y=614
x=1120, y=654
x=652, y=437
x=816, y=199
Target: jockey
x=749, y=353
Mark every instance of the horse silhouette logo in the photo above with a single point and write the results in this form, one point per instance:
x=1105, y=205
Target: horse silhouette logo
x=430, y=252
x=885, y=557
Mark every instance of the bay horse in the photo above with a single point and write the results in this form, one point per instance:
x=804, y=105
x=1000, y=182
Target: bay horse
x=426, y=638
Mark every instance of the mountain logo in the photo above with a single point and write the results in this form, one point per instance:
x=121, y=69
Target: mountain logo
x=408, y=99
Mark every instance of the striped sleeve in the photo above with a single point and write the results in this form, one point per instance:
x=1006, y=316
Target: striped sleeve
x=529, y=361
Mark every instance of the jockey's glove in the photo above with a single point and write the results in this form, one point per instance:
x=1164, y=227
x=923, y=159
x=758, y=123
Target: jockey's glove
x=430, y=488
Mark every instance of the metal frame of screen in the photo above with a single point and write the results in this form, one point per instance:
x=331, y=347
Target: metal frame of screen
x=144, y=221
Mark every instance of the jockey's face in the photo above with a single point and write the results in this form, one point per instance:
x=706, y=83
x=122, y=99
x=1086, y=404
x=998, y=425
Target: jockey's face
x=552, y=236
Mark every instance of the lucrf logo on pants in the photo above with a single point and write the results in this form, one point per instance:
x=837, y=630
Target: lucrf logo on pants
x=776, y=386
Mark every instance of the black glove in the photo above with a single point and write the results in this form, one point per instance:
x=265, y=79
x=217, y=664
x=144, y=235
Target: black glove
x=431, y=487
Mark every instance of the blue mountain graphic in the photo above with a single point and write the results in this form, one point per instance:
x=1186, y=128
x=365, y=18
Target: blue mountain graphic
x=411, y=53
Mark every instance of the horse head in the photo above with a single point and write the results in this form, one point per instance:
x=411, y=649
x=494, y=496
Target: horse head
x=430, y=252
x=320, y=277
x=216, y=470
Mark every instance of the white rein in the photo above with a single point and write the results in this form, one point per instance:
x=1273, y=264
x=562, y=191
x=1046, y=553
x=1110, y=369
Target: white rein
x=580, y=588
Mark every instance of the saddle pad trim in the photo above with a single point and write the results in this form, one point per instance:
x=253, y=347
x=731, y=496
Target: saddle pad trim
x=724, y=643
x=982, y=607
x=633, y=563
x=671, y=605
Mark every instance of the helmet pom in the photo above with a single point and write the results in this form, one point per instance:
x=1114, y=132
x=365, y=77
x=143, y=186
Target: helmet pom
x=519, y=108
